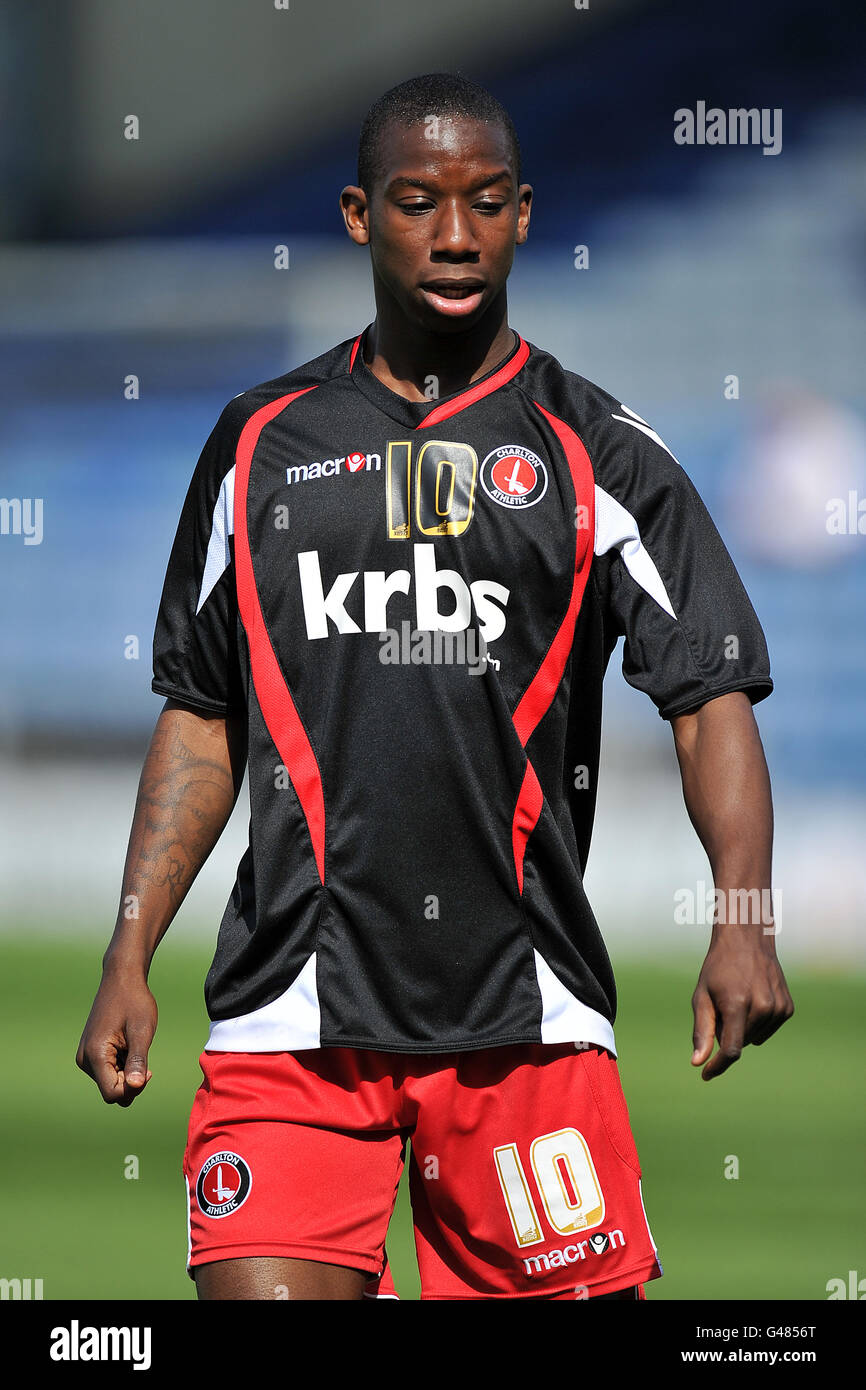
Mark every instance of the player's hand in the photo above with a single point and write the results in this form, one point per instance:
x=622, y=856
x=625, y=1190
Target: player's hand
x=116, y=1038
x=741, y=997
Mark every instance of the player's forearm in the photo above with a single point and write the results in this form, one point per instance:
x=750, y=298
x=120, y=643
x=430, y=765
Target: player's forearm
x=726, y=788
x=188, y=787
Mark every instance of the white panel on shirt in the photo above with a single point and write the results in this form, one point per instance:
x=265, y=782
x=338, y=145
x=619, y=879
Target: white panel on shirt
x=218, y=556
x=617, y=529
x=290, y=1022
x=564, y=1018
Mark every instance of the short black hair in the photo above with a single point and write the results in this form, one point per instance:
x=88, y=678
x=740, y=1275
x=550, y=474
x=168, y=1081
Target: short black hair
x=414, y=101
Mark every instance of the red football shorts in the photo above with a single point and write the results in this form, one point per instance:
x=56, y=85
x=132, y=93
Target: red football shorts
x=524, y=1177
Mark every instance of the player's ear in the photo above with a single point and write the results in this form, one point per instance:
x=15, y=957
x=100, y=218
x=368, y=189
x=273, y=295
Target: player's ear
x=524, y=200
x=353, y=205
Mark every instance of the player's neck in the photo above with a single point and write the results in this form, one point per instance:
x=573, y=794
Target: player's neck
x=406, y=357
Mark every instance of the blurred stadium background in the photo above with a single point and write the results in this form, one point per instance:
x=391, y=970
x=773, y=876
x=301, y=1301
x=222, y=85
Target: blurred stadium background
x=154, y=257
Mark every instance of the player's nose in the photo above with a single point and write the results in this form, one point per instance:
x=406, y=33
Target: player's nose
x=454, y=232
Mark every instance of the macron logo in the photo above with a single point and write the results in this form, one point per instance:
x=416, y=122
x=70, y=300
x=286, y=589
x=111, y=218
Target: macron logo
x=355, y=462
x=571, y=1254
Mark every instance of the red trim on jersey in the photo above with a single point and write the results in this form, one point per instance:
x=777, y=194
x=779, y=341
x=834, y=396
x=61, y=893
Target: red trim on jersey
x=537, y=697
x=277, y=706
x=481, y=388
x=526, y=813
x=473, y=393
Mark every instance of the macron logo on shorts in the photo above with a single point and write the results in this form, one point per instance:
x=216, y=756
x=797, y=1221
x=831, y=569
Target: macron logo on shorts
x=223, y=1184
x=571, y=1254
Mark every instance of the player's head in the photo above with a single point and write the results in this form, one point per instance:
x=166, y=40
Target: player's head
x=427, y=100
x=438, y=198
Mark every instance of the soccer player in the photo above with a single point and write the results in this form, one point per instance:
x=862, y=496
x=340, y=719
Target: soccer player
x=399, y=574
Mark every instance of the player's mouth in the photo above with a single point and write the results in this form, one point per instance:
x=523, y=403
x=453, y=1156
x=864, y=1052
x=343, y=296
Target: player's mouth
x=454, y=296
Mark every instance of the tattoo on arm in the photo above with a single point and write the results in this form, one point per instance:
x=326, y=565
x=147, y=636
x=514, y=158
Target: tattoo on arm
x=185, y=797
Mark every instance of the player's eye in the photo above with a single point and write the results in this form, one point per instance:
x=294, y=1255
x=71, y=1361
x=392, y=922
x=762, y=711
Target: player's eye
x=486, y=206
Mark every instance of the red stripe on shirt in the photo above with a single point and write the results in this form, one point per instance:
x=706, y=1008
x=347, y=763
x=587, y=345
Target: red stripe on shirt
x=472, y=393
x=481, y=389
x=539, y=694
x=526, y=813
x=277, y=706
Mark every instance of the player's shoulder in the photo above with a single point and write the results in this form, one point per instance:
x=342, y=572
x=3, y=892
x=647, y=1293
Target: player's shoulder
x=615, y=435
x=557, y=385
x=329, y=365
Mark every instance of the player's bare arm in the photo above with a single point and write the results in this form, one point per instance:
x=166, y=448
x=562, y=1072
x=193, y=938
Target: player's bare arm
x=741, y=995
x=188, y=786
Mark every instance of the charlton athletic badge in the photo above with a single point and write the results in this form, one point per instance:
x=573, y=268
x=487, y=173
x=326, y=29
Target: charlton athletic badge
x=223, y=1184
x=514, y=476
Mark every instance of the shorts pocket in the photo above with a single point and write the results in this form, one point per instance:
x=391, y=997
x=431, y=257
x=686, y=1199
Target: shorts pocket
x=602, y=1073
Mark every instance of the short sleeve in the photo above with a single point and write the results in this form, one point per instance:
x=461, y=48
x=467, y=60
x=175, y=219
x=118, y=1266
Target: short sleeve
x=669, y=585
x=196, y=643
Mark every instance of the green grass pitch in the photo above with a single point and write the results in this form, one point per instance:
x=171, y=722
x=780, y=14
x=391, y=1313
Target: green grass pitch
x=791, y=1112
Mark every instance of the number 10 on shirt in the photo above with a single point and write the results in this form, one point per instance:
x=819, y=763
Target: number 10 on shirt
x=445, y=476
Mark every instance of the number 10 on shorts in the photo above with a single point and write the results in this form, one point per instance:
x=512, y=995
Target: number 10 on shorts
x=566, y=1179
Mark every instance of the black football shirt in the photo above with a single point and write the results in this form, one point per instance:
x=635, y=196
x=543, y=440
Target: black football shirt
x=414, y=604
